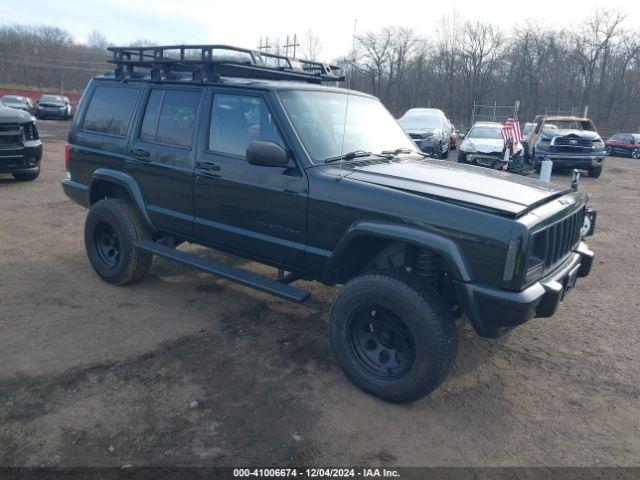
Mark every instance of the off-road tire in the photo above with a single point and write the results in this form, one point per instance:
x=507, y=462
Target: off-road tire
x=117, y=214
x=26, y=177
x=424, y=314
x=595, y=172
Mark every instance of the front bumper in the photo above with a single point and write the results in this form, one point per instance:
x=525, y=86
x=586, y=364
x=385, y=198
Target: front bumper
x=22, y=158
x=572, y=160
x=493, y=311
x=60, y=114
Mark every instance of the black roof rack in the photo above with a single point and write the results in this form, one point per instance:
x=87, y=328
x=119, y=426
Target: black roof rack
x=210, y=62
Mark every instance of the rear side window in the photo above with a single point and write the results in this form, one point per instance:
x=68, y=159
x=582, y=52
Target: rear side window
x=170, y=117
x=110, y=110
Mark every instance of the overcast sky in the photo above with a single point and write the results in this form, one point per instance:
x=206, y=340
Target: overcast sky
x=243, y=22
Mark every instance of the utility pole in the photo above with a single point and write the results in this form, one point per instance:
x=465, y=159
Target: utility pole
x=293, y=45
x=264, y=47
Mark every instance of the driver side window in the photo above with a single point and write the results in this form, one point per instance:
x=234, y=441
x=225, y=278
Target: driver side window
x=238, y=120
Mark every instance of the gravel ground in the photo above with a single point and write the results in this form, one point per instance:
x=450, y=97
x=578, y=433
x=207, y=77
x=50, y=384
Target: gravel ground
x=187, y=369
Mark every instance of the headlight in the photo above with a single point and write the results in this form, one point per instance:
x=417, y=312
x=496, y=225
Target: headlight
x=467, y=147
x=598, y=145
x=544, y=143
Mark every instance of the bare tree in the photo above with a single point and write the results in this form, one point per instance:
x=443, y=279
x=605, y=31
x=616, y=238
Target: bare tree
x=96, y=39
x=312, y=46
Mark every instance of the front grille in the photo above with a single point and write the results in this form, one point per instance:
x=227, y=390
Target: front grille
x=10, y=134
x=9, y=140
x=556, y=242
x=573, y=142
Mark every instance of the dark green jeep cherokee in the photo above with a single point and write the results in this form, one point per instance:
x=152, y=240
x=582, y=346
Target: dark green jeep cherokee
x=264, y=162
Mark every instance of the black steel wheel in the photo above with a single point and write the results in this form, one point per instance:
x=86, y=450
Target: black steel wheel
x=393, y=339
x=110, y=232
x=381, y=342
x=107, y=244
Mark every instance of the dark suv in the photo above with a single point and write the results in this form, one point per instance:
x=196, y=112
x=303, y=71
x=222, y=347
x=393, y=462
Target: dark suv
x=267, y=168
x=20, y=145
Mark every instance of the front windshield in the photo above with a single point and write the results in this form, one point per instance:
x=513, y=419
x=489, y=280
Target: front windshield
x=13, y=99
x=490, y=133
x=420, y=120
x=568, y=125
x=319, y=119
x=51, y=98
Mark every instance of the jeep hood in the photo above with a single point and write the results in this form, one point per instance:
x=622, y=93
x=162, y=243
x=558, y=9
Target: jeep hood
x=475, y=187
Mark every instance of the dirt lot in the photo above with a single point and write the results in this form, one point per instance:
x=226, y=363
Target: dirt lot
x=187, y=369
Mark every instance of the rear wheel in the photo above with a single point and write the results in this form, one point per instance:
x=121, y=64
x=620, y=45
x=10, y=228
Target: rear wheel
x=26, y=177
x=392, y=340
x=595, y=172
x=111, y=229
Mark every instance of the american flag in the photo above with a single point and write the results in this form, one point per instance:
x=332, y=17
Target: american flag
x=511, y=133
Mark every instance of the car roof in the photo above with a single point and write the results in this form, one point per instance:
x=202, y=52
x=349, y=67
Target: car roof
x=565, y=118
x=250, y=83
x=424, y=110
x=487, y=124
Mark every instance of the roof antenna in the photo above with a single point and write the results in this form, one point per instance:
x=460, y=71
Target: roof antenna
x=346, y=108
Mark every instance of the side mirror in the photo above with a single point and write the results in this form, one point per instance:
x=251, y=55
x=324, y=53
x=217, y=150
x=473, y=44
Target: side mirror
x=267, y=154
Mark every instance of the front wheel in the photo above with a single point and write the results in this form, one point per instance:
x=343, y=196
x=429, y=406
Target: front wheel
x=635, y=153
x=26, y=177
x=392, y=340
x=608, y=151
x=111, y=229
x=462, y=157
x=595, y=172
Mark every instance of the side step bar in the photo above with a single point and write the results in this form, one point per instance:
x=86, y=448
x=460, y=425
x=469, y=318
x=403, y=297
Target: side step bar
x=237, y=275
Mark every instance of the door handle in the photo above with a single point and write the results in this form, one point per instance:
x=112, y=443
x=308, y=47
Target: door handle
x=139, y=153
x=213, y=167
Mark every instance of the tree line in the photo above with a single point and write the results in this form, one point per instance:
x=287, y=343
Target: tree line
x=594, y=63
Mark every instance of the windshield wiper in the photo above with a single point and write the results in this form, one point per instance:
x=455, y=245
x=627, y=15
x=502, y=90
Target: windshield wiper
x=357, y=154
x=398, y=151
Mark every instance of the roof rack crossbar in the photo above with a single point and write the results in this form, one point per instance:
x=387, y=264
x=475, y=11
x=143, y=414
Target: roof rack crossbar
x=210, y=62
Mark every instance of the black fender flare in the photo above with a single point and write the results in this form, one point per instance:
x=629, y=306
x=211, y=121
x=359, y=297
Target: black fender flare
x=130, y=185
x=448, y=250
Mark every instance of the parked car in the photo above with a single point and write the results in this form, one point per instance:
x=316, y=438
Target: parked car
x=54, y=106
x=20, y=145
x=322, y=183
x=429, y=129
x=453, y=142
x=18, y=102
x=625, y=144
x=571, y=142
x=484, y=146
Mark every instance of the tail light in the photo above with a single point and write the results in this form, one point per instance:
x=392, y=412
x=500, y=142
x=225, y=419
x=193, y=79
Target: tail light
x=66, y=156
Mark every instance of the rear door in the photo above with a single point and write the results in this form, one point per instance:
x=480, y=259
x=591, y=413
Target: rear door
x=161, y=155
x=257, y=211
